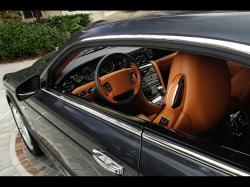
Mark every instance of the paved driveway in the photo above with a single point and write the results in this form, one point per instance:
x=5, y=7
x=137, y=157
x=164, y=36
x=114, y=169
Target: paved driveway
x=9, y=163
x=15, y=159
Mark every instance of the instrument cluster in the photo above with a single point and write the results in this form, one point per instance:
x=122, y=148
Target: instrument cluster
x=142, y=56
x=85, y=73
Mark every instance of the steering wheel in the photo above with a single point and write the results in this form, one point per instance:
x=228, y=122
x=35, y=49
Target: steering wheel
x=121, y=86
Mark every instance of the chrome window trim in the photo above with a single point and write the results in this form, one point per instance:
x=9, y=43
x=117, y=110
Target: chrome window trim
x=98, y=114
x=243, y=48
x=195, y=156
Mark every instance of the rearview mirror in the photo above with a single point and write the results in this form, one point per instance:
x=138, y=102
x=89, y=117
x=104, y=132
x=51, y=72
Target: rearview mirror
x=28, y=87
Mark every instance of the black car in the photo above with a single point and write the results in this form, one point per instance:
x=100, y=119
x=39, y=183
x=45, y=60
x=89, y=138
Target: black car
x=153, y=95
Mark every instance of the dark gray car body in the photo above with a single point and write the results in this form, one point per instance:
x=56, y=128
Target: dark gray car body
x=68, y=129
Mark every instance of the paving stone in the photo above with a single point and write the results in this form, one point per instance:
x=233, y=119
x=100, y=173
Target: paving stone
x=46, y=171
x=4, y=155
x=15, y=174
x=34, y=171
x=7, y=170
x=42, y=168
x=27, y=165
x=19, y=152
x=35, y=162
x=37, y=166
x=52, y=173
x=5, y=164
x=4, y=148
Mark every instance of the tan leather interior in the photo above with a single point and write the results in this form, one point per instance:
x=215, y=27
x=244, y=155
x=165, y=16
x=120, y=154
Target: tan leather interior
x=158, y=72
x=86, y=87
x=208, y=89
x=206, y=93
x=165, y=62
x=121, y=82
x=142, y=106
x=240, y=82
x=164, y=65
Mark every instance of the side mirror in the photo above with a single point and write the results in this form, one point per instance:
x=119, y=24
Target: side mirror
x=28, y=87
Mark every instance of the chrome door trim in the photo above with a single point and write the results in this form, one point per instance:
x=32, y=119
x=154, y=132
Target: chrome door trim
x=243, y=48
x=195, y=156
x=98, y=114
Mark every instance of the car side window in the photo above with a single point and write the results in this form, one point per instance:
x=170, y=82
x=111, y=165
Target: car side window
x=177, y=90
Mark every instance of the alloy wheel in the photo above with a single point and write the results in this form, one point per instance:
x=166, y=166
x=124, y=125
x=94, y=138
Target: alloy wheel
x=22, y=128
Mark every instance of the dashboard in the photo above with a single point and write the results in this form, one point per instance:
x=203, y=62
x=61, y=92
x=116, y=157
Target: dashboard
x=84, y=73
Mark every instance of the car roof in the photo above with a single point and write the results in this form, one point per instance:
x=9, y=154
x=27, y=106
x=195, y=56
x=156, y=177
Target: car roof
x=228, y=26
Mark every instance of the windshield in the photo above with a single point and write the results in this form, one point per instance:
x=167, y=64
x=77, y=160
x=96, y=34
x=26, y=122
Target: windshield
x=88, y=51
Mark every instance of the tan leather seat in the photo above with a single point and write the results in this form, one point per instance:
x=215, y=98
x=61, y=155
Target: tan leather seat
x=198, y=93
x=240, y=82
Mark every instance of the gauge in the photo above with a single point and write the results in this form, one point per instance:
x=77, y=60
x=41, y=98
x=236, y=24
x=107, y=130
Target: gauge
x=78, y=78
x=137, y=58
x=68, y=85
x=149, y=53
x=108, y=67
x=88, y=73
x=143, y=50
x=143, y=58
x=123, y=63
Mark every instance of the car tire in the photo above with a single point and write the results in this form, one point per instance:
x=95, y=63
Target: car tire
x=27, y=137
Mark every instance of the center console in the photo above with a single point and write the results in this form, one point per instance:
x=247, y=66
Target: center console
x=151, y=85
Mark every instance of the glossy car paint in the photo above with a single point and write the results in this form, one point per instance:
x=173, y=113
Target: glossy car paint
x=169, y=163
x=68, y=134
x=222, y=26
x=75, y=135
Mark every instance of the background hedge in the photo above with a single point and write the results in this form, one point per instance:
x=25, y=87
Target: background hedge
x=24, y=39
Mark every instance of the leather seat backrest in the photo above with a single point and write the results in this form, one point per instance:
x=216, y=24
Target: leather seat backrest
x=206, y=90
x=240, y=81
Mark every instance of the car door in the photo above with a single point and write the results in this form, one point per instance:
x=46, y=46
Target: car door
x=165, y=154
x=82, y=139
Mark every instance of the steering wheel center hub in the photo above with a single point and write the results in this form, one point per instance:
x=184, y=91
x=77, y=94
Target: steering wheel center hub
x=119, y=82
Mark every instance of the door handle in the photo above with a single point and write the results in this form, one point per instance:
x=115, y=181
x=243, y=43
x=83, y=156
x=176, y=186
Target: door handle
x=108, y=163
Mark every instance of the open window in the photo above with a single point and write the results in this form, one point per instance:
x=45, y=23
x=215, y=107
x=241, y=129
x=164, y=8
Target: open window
x=194, y=94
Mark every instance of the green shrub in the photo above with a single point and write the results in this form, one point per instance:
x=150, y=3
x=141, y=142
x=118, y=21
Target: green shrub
x=22, y=39
x=68, y=24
